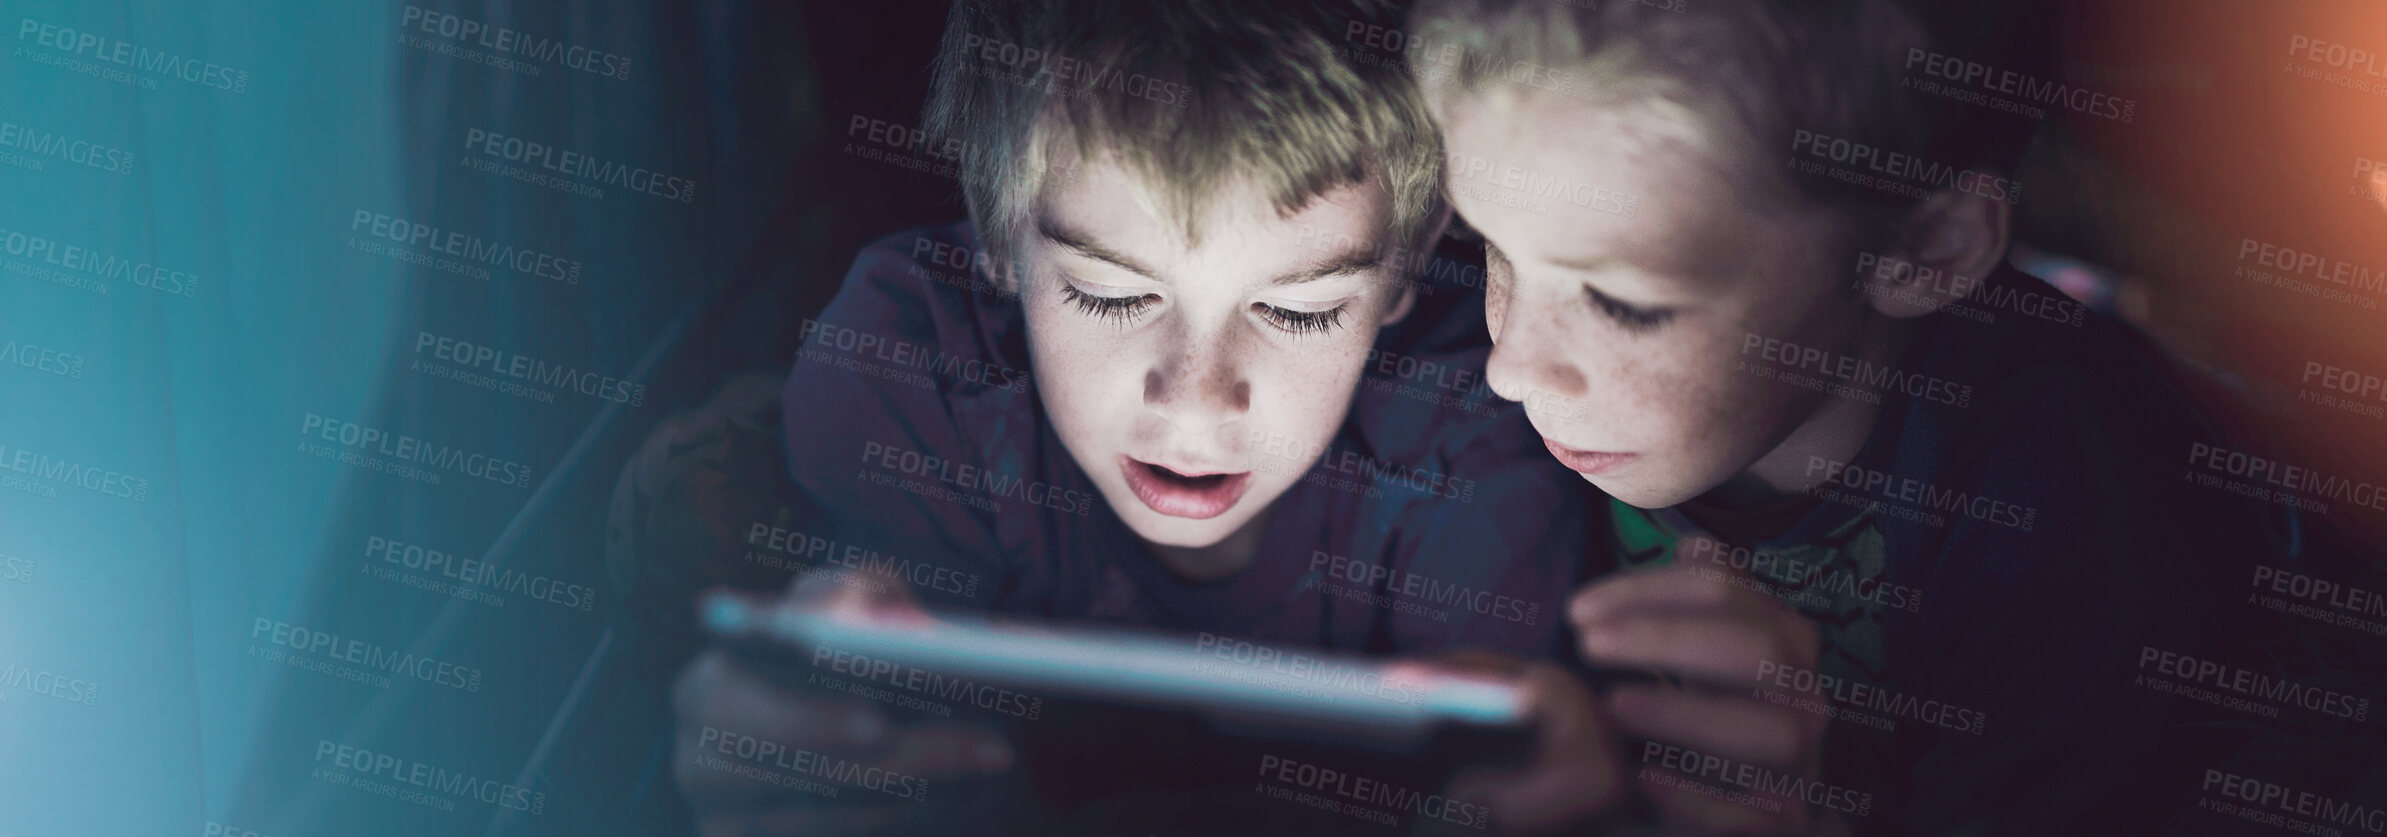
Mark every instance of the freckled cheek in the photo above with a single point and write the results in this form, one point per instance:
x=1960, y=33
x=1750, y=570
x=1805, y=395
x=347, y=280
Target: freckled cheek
x=1652, y=398
x=1090, y=382
x=1721, y=406
x=1308, y=390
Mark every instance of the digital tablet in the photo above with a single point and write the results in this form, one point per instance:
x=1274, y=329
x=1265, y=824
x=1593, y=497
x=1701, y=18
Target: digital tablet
x=1230, y=680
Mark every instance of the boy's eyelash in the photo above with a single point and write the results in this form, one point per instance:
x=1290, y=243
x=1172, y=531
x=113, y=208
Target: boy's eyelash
x=1302, y=322
x=1633, y=319
x=1123, y=309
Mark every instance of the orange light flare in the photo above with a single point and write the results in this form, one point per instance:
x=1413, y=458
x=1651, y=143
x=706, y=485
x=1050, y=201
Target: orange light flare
x=2245, y=203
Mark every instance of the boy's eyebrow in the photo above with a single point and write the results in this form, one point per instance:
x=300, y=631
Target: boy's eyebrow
x=1084, y=245
x=1589, y=265
x=1337, y=265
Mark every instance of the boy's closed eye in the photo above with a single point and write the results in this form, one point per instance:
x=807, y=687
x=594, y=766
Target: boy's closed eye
x=1124, y=309
x=1634, y=318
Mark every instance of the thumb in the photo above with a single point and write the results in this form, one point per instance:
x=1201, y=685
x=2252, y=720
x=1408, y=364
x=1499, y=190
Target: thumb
x=855, y=593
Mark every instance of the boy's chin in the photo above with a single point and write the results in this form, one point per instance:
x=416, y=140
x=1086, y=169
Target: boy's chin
x=1182, y=533
x=1157, y=529
x=1641, y=494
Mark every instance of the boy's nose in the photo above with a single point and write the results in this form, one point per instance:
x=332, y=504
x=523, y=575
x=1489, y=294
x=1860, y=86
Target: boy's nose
x=1529, y=361
x=1199, y=385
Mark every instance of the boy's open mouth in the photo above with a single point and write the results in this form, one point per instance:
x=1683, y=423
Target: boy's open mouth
x=1179, y=494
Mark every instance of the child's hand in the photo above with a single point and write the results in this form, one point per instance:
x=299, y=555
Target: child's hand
x=1701, y=627
x=1574, y=773
x=726, y=710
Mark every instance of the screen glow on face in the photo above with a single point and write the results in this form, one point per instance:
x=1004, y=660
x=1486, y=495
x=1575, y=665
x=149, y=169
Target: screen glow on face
x=1196, y=381
x=1622, y=323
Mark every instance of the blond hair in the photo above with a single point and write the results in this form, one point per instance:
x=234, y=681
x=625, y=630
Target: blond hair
x=1758, y=71
x=1193, y=96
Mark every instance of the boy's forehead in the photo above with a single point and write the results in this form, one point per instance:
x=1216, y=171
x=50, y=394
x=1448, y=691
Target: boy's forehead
x=1107, y=196
x=1592, y=183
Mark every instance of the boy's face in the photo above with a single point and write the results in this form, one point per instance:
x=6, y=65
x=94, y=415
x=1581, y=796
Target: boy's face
x=1623, y=321
x=1196, y=383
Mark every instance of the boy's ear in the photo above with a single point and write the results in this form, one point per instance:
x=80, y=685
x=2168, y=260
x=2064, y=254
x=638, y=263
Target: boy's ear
x=1429, y=237
x=1946, y=247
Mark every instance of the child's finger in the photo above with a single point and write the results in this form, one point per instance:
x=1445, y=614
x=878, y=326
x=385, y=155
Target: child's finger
x=945, y=749
x=1731, y=726
x=1666, y=587
x=1573, y=775
x=1703, y=645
